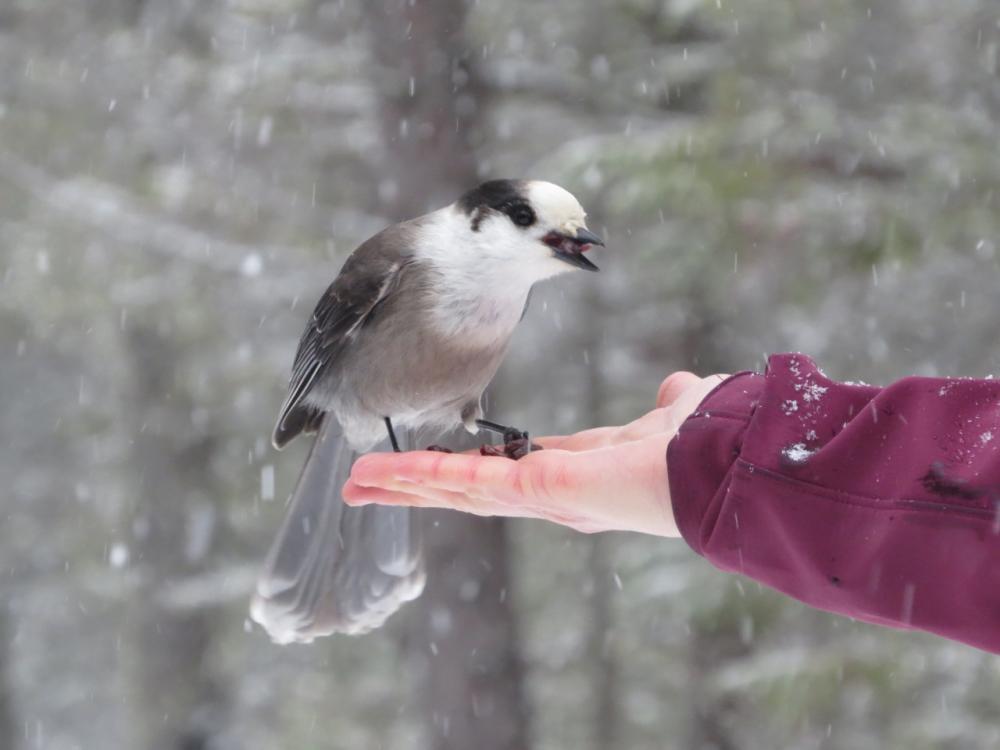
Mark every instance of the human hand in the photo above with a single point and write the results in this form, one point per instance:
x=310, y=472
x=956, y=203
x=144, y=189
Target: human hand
x=600, y=479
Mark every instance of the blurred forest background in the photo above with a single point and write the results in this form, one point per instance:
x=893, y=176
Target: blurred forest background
x=179, y=181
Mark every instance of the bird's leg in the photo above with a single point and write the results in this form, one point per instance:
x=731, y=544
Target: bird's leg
x=392, y=435
x=516, y=443
x=509, y=433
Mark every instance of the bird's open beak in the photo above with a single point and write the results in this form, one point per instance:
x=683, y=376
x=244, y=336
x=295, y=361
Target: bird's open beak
x=571, y=248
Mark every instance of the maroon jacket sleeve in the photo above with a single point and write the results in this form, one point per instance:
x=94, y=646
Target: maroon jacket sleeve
x=877, y=503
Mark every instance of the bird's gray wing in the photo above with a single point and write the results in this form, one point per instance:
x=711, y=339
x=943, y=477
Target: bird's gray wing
x=333, y=568
x=368, y=277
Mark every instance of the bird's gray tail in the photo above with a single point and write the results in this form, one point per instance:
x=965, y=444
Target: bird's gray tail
x=333, y=568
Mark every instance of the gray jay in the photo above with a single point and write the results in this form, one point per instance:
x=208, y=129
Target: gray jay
x=407, y=337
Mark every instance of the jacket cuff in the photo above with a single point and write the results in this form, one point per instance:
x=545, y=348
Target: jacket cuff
x=701, y=456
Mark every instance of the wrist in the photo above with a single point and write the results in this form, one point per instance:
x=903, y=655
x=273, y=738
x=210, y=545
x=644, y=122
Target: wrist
x=657, y=516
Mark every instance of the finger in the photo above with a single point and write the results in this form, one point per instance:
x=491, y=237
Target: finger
x=425, y=497
x=677, y=389
x=585, y=440
x=493, y=501
x=450, y=471
x=601, y=437
x=405, y=494
x=355, y=495
x=546, y=441
x=538, y=482
x=595, y=437
x=673, y=386
x=689, y=400
x=651, y=423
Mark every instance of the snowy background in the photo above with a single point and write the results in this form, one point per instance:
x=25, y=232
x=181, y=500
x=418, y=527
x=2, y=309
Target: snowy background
x=180, y=180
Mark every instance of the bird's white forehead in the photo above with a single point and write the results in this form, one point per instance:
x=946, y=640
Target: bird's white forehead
x=555, y=206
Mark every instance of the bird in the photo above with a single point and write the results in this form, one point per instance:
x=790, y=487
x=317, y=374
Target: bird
x=406, y=338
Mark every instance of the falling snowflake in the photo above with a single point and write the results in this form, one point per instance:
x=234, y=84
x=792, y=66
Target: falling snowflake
x=118, y=555
x=267, y=482
x=252, y=265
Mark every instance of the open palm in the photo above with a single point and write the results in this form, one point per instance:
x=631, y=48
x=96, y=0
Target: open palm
x=600, y=479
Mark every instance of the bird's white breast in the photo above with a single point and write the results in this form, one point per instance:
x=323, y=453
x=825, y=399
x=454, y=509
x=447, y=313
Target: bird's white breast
x=481, y=280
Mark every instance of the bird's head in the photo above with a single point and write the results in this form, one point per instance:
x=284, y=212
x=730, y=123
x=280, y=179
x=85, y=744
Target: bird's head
x=535, y=223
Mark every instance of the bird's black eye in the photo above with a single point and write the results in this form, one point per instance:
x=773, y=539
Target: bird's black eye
x=521, y=214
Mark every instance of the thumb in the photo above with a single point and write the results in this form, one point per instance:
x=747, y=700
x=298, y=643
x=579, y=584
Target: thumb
x=673, y=386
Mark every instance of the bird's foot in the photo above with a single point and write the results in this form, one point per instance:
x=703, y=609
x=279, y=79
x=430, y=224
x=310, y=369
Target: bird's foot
x=512, y=434
x=439, y=449
x=516, y=443
x=514, y=448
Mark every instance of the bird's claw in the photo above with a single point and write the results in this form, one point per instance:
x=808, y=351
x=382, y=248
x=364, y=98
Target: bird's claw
x=515, y=448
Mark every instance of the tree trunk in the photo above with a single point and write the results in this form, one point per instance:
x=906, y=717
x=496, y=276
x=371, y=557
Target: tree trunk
x=8, y=732
x=431, y=102
x=600, y=645
x=710, y=716
x=175, y=704
x=603, y=665
x=474, y=695
x=431, y=106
